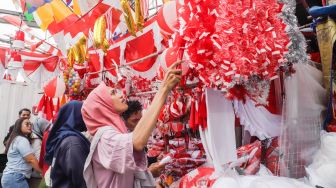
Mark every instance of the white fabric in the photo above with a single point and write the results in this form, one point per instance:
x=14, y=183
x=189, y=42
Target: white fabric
x=220, y=133
x=257, y=119
x=258, y=182
x=305, y=95
x=322, y=171
x=205, y=145
x=300, y=130
x=13, y=97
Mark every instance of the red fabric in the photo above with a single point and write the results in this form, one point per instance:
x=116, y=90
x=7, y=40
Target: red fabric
x=56, y=27
x=3, y=52
x=48, y=109
x=272, y=157
x=57, y=105
x=112, y=57
x=316, y=57
x=202, y=113
x=115, y=19
x=41, y=104
x=74, y=25
x=252, y=166
x=192, y=115
x=194, y=178
x=49, y=64
x=94, y=66
x=94, y=63
x=33, y=47
x=272, y=103
x=140, y=47
x=44, y=166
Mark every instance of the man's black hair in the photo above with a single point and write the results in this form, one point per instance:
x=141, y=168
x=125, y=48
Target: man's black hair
x=24, y=109
x=133, y=107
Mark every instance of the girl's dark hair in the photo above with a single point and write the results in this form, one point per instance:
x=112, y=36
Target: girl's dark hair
x=17, y=132
x=133, y=107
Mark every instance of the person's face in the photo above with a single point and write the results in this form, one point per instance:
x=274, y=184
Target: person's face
x=118, y=100
x=133, y=120
x=25, y=115
x=26, y=127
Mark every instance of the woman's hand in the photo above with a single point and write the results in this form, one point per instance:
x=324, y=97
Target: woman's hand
x=172, y=77
x=147, y=123
x=31, y=159
x=156, y=169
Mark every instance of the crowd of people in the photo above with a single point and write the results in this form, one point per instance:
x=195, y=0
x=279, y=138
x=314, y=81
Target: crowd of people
x=100, y=142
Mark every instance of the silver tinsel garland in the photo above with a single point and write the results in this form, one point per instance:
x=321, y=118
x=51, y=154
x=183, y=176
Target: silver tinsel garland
x=297, y=49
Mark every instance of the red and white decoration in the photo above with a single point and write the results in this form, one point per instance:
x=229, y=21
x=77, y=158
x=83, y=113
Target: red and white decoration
x=169, y=57
x=15, y=61
x=55, y=87
x=167, y=18
x=18, y=42
x=230, y=43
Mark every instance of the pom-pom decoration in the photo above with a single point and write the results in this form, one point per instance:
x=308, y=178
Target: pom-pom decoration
x=229, y=42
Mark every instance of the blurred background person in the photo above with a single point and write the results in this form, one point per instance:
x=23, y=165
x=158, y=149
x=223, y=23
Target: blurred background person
x=23, y=113
x=20, y=154
x=67, y=148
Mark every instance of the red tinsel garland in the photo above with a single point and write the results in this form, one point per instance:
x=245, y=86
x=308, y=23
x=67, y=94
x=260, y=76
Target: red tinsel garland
x=230, y=42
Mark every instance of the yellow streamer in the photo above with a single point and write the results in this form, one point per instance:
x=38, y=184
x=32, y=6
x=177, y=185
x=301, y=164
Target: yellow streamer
x=139, y=15
x=99, y=32
x=128, y=16
x=106, y=45
x=70, y=57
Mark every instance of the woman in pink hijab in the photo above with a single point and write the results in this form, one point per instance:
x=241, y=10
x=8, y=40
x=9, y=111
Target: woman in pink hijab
x=117, y=158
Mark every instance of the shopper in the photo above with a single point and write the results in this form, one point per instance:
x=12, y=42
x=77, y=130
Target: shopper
x=131, y=117
x=20, y=154
x=40, y=125
x=23, y=113
x=67, y=148
x=117, y=158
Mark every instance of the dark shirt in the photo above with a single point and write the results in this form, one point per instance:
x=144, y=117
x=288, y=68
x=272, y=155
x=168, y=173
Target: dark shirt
x=69, y=164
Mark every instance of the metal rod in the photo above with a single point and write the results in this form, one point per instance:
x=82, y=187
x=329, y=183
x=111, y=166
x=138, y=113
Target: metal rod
x=130, y=63
x=146, y=93
x=14, y=13
x=27, y=48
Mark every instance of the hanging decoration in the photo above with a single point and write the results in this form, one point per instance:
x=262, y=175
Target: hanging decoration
x=167, y=18
x=128, y=16
x=36, y=3
x=170, y=56
x=139, y=16
x=99, y=35
x=18, y=42
x=15, y=61
x=297, y=47
x=70, y=58
x=231, y=42
x=55, y=87
x=73, y=81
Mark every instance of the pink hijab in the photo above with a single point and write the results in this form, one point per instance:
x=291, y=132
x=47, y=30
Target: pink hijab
x=97, y=111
